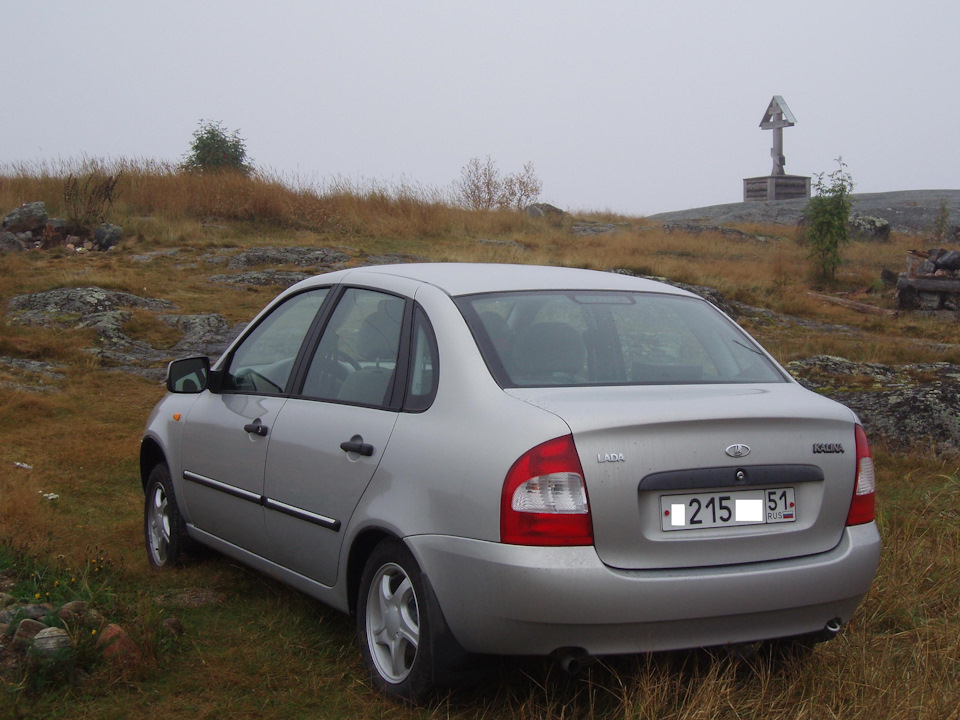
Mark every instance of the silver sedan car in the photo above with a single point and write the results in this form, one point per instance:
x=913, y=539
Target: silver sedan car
x=515, y=460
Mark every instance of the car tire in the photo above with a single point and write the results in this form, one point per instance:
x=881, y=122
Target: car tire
x=404, y=640
x=165, y=533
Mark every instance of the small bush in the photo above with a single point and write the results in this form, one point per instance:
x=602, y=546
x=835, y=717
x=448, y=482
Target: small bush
x=215, y=149
x=825, y=220
x=941, y=222
x=481, y=187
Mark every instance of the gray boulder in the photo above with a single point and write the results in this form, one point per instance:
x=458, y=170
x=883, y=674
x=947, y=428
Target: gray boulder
x=869, y=228
x=51, y=640
x=9, y=242
x=31, y=217
x=106, y=236
x=539, y=210
x=27, y=630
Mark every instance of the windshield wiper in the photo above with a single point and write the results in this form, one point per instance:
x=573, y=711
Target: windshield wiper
x=751, y=349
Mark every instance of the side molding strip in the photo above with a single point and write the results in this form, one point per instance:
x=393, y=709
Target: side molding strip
x=263, y=501
x=304, y=515
x=222, y=487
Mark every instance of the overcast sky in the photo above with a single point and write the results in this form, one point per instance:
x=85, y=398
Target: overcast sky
x=637, y=107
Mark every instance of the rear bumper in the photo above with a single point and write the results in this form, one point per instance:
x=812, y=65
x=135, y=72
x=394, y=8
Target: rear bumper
x=513, y=600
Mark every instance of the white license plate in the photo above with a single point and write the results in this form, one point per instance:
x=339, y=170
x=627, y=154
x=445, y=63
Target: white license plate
x=696, y=511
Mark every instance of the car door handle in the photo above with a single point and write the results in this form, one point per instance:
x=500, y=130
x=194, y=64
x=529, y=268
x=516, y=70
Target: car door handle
x=257, y=428
x=361, y=448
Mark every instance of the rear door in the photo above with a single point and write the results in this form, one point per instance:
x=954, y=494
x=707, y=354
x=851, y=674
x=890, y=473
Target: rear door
x=329, y=440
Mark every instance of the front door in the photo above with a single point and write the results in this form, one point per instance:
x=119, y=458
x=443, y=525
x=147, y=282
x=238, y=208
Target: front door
x=226, y=434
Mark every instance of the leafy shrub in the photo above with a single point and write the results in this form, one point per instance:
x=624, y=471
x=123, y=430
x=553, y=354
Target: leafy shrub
x=826, y=217
x=941, y=222
x=215, y=149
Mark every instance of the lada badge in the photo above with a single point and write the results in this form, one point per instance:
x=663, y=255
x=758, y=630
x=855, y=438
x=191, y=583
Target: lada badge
x=738, y=450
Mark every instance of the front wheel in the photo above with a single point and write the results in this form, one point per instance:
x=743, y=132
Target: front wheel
x=164, y=530
x=404, y=640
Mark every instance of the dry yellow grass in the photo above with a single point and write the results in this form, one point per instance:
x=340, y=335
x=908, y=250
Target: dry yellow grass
x=266, y=651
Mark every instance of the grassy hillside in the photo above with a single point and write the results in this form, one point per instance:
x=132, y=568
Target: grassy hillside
x=253, y=648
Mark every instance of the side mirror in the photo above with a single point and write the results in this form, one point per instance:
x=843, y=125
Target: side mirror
x=188, y=375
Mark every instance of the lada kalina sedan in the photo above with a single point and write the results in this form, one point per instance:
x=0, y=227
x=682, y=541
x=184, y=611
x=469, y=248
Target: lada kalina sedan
x=515, y=460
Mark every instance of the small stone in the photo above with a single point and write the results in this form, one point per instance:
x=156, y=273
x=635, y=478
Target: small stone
x=51, y=639
x=74, y=611
x=6, y=599
x=80, y=677
x=26, y=631
x=118, y=648
x=36, y=612
x=10, y=243
x=171, y=627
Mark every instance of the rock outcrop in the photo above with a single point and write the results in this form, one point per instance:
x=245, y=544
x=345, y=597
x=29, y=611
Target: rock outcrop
x=108, y=311
x=299, y=256
x=904, y=405
x=262, y=278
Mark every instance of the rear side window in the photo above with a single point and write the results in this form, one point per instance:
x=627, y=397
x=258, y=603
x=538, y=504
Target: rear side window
x=424, y=370
x=564, y=338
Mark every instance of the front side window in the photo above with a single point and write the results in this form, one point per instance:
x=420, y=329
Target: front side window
x=563, y=338
x=357, y=356
x=262, y=363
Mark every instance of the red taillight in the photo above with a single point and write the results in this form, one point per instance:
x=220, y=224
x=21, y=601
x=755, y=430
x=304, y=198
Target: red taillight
x=544, y=498
x=862, y=507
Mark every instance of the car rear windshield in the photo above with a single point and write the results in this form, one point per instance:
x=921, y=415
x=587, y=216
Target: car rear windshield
x=569, y=338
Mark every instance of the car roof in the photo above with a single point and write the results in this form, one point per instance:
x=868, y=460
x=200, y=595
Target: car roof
x=469, y=278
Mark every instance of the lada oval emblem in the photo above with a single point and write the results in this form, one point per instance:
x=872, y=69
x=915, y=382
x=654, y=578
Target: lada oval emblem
x=738, y=450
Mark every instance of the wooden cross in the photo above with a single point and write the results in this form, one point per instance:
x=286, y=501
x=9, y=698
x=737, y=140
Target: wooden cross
x=776, y=118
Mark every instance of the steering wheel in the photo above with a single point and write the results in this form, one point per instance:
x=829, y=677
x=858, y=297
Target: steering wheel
x=343, y=356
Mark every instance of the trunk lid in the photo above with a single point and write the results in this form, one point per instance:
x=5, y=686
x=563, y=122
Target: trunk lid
x=640, y=443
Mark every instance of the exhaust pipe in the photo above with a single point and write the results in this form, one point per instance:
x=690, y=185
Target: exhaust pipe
x=572, y=660
x=833, y=627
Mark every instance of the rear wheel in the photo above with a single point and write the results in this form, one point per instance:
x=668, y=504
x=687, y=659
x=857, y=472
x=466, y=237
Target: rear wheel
x=164, y=529
x=403, y=638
